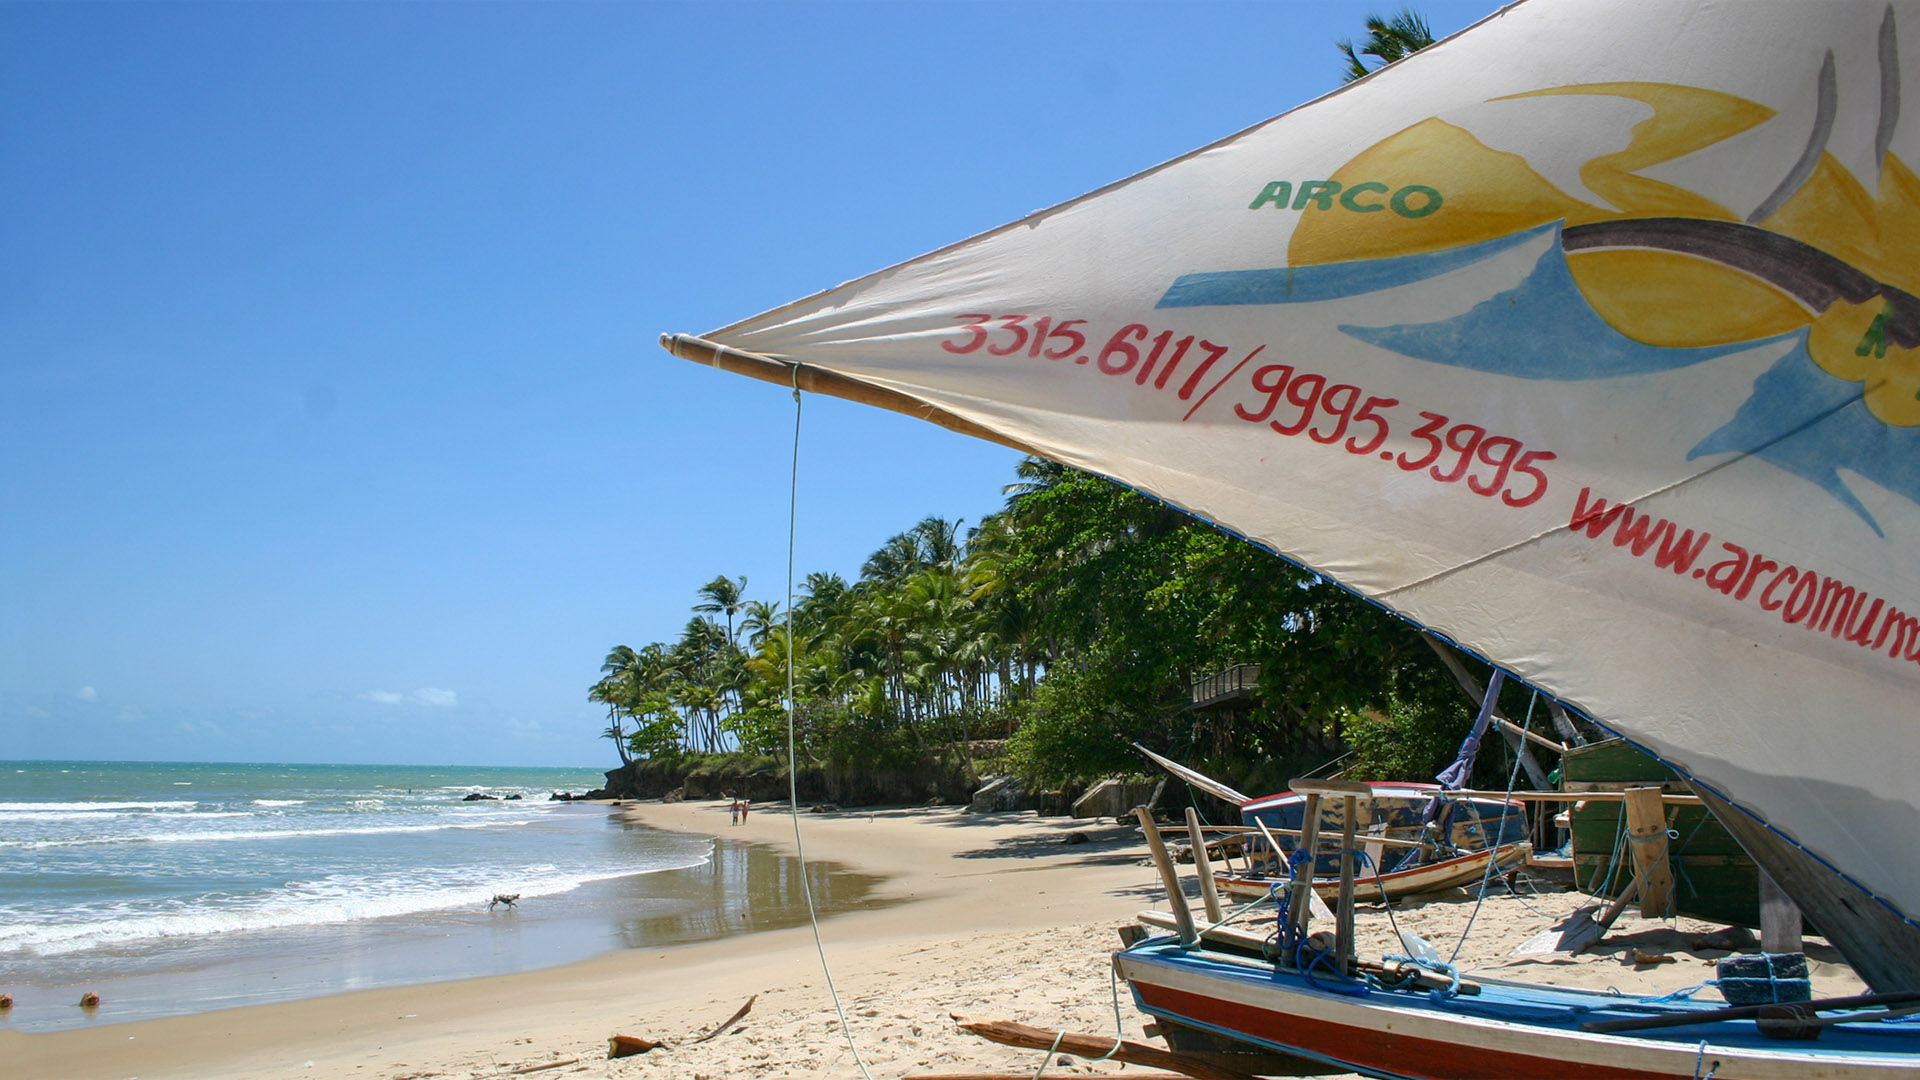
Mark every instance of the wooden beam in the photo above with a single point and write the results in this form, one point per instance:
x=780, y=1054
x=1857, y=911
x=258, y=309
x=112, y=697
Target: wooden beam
x=1298, y=910
x=1169, y=877
x=1741, y=1012
x=1007, y=1033
x=1613, y=795
x=1533, y=737
x=1647, y=837
x=1209, y=895
x=1338, y=788
x=1779, y=918
x=1343, y=909
x=1563, y=724
x=1536, y=775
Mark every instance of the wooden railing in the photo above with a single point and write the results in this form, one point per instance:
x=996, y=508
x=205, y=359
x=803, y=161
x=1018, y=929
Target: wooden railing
x=1238, y=681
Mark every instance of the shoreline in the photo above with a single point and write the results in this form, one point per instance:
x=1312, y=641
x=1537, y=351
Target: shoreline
x=955, y=868
x=997, y=916
x=649, y=908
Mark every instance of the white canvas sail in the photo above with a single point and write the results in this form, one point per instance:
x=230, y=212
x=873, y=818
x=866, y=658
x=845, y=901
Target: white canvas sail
x=1586, y=338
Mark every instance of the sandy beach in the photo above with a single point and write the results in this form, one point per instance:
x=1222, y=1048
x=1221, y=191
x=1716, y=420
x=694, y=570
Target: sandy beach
x=997, y=916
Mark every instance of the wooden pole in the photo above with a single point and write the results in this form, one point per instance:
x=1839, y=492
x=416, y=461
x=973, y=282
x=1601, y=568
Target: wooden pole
x=1563, y=724
x=1647, y=837
x=1203, y=866
x=1741, y=1012
x=1535, y=774
x=1779, y=918
x=1570, y=796
x=1176, y=896
x=1298, y=910
x=1007, y=1033
x=1343, y=911
x=1512, y=728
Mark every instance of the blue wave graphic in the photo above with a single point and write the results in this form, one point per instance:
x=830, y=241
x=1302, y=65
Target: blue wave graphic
x=1799, y=418
x=1812, y=424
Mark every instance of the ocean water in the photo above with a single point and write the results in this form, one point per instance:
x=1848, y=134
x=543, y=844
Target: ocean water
x=175, y=888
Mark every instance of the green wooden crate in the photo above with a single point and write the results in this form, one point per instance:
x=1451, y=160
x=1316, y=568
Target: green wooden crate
x=1713, y=879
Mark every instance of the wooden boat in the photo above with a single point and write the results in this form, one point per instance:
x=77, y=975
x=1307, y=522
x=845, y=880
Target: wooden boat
x=1505, y=1031
x=1316, y=1005
x=1461, y=870
x=1402, y=853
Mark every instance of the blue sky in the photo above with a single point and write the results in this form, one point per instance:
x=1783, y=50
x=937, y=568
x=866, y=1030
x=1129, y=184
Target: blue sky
x=332, y=423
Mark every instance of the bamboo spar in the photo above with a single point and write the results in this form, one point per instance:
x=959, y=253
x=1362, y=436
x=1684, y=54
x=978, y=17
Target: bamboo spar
x=817, y=380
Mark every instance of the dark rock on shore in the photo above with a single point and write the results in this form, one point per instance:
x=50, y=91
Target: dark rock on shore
x=480, y=796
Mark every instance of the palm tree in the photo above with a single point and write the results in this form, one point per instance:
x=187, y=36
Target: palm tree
x=897, y=558
x=1387, y=40
x=615, y=690
x=611, y=693
x=723, y=596
x=938, y=541
x=760, y=619
x=1036, y=475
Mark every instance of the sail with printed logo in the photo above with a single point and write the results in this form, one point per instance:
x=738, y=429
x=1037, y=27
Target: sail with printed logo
x=1588, y=339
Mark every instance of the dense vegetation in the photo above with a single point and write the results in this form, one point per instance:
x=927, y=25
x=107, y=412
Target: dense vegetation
x=1069, y=624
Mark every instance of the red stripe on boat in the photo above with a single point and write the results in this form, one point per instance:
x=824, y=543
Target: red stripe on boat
x=1384, y=1050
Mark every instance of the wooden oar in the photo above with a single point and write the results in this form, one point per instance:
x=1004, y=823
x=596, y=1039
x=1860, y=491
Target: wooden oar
x=1743, y=1012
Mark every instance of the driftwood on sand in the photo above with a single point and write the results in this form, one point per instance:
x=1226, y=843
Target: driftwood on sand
x=728, y=1022
x=1008, y=1033
x=1026, y=1076
x=619, y=1046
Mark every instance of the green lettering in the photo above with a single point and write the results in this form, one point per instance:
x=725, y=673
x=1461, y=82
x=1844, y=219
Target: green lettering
x=1430, y=201
x=1318, y=192
x=1277, y=193
x=1348, y=200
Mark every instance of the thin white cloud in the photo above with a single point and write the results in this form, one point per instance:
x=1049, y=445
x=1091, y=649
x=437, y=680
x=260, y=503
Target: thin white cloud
x=426, y=695
x=87, y=693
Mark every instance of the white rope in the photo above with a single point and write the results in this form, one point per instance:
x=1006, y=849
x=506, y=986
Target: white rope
x=1047, y=1059
x=793, y=757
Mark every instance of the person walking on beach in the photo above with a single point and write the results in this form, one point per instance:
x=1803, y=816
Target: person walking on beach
x=739, y=811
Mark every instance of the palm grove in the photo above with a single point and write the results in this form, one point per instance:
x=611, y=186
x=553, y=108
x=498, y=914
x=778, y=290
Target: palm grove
x=1068, y=624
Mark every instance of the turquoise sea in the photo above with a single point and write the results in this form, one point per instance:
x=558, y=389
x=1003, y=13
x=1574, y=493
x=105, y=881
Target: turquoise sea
x=178, y=888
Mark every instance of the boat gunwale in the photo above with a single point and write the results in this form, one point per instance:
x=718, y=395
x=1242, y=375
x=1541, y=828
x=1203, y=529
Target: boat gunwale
x=1254, y=977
